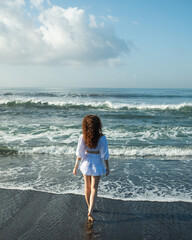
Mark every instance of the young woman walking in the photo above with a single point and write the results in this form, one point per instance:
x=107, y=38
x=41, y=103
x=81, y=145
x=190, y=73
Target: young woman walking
x=92, y=152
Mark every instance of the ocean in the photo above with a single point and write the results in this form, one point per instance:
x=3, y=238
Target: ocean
x=149, y=134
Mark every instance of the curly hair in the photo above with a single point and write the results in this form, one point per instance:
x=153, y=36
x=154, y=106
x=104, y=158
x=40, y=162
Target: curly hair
x=92, y=130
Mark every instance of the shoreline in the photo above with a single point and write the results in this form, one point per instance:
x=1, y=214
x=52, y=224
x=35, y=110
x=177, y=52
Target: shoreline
x=28, y=214
x=99, y=196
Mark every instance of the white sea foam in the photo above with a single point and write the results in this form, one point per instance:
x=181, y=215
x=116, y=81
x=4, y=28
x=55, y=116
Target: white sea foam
x=62, y=141
x=15, y=135
x=160, y=151
x=165, y=151
x=55, y=135
x=149, y=195
x=51, y=150
x=146, y=196
x=148, y=133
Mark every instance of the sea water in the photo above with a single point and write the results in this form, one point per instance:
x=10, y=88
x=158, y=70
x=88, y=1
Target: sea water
x=149, y=133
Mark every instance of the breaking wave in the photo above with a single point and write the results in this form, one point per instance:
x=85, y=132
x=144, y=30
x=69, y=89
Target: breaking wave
x=107, y=105
x=160, y=151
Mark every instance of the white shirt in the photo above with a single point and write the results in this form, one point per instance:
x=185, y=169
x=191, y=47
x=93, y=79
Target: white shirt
x=102, y=147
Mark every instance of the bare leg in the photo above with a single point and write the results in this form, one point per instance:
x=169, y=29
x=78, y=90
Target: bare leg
x=94, y=187
x=87, y=180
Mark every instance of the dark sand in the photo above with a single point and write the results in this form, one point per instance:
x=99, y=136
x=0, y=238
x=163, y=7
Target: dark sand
x=37, y=215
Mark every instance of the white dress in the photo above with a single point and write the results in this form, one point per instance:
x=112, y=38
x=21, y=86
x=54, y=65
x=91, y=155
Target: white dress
x=93, y=164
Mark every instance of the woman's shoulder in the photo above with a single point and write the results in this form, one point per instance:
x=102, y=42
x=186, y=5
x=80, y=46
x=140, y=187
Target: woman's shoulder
x=102, y=138
x=81, y=138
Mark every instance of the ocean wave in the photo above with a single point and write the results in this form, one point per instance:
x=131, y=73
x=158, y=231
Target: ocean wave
x=5, y=151
x=62, y=140
x=54, y=137
x=50, y=150
x=107, y=105
x=149, y=133
x=130, y=152
x=29, y=94
x=93, y=94
x=160, y=151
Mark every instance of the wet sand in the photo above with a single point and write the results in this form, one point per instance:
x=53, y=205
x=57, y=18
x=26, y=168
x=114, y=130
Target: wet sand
x=38, y=215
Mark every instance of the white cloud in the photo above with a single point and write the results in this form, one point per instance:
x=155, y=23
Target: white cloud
x=39, y=3
x=113, y=19
x=36, y=3
x=93, y=22
x=135, y=22
x=16, y=3
x=56, y=36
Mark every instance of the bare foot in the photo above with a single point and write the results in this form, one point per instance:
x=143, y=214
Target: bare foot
x=90, y=218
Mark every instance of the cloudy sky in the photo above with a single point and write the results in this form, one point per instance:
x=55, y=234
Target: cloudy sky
x=96, y=43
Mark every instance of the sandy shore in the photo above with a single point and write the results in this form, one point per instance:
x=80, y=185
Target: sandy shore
x=37, y=215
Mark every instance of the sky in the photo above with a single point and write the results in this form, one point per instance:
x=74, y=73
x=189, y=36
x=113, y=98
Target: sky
x=96, y=43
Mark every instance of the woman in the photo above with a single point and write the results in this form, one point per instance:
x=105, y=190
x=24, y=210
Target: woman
x=92, y=149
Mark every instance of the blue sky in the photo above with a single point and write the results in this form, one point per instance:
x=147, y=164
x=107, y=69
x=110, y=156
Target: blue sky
x=78, y=43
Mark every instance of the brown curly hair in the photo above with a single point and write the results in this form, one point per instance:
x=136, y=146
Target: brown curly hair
x=92, y=130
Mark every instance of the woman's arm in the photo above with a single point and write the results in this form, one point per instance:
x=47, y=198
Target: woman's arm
x=103, y=149
x=76, y=165
x=107, y=167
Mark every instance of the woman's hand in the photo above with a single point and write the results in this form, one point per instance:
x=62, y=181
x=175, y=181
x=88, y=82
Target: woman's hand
x=107, y=169
x=75, y=171
x=76, y=165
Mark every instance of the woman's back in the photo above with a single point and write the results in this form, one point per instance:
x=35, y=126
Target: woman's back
x=102, y=147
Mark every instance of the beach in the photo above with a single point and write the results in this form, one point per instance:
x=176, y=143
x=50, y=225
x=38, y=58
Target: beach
x=95, y=98
x=39, y=215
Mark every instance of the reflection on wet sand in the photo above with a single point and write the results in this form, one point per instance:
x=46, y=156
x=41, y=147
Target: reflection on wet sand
x=89, y=230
